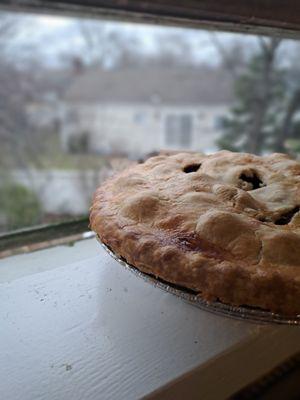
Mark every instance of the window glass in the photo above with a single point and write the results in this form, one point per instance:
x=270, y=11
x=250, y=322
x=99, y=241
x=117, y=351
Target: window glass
x=179, y=130
x=80, y=99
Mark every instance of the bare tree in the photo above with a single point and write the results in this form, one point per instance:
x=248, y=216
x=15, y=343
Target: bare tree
x=232, y=55
x=173, y=48
x=19, y=149
x=108, y=47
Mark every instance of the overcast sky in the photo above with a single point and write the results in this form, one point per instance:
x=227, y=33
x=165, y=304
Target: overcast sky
x=53, y=36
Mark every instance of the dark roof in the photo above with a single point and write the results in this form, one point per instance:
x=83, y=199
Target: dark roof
x=145, y=85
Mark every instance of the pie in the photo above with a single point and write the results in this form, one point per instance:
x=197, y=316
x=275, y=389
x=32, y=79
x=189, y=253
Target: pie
x=225, y=225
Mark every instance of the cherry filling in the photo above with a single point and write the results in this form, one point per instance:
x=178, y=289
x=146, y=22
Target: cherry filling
x=285, y=218
x=254, y=180
x=191, y=168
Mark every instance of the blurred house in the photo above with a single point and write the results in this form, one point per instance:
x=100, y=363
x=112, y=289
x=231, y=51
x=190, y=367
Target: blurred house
x=138, y=111
x=44, y=110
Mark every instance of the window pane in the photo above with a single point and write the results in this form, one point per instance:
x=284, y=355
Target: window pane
x=186, y=130
x=179, y=130
x=81, y=98
x=171, y=130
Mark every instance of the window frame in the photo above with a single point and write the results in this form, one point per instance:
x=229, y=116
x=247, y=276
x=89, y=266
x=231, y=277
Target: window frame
x=13, y=241
x=253, y=16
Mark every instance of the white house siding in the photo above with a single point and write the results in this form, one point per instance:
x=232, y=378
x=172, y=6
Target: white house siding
x=137, y=129
x=129, y=129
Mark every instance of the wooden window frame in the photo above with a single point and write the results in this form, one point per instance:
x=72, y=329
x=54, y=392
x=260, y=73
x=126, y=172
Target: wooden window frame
x=266, y=17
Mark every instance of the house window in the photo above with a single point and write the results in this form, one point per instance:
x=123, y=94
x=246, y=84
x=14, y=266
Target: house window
x=139, y=117
x=218, y=122
x=178, y=130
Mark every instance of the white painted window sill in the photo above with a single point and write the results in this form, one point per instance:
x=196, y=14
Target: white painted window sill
x=76, y=325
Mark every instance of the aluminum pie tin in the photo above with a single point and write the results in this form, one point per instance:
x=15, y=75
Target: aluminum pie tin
x=216, y=307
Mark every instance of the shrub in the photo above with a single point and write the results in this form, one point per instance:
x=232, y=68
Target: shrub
x=19, y=206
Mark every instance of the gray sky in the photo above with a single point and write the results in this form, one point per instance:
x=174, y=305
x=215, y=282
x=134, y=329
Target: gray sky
x=48, y=38
x=53, y=36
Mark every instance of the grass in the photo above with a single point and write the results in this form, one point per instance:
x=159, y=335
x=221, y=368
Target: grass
x=49, y=155
x=72, y=161
x=54, y=157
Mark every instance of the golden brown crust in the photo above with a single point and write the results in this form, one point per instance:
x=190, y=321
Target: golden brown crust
x=226, y=225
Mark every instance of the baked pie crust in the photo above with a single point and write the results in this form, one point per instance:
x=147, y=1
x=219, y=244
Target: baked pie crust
x=226, y=225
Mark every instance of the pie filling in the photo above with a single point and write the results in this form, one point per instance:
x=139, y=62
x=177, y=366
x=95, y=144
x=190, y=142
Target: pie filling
x=253, y=179
x=286, y=218
x=191, y=168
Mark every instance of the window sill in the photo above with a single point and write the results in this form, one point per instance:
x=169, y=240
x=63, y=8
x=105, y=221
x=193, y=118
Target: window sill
x=76, y=321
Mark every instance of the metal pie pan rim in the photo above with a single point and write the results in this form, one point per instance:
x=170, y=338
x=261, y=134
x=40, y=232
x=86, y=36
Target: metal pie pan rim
x=244, y=313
